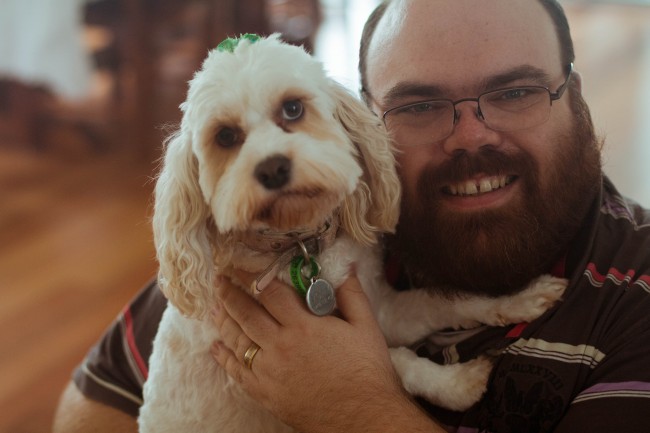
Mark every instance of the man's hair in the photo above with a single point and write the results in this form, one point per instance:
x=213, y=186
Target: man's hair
x=366, y=37
x=553, y=8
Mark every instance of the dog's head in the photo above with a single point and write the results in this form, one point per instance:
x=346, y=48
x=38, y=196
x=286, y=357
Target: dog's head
x=267, y=141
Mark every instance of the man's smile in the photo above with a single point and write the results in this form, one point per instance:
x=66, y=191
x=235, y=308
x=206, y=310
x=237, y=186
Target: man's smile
x=478, y=186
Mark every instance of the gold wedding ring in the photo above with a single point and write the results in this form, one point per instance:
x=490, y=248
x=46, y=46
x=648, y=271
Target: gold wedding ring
x=250, y=355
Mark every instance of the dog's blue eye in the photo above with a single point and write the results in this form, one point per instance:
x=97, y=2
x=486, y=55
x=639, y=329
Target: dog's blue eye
x=292, y=110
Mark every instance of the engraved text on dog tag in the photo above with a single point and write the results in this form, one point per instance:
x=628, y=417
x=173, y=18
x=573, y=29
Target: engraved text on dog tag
x=320, y=297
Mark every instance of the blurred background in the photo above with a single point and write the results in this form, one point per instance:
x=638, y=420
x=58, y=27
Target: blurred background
x=88, y=91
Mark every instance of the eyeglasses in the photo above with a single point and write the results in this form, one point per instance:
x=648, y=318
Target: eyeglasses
x=509, y=109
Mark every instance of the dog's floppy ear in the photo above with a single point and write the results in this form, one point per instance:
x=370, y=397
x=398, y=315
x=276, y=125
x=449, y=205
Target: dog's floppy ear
x=181, y=231
x=374, y=206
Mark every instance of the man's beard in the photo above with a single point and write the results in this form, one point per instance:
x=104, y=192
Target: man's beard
x=497, y=252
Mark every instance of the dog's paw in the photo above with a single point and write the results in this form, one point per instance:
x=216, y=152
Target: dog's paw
x=540, y=295
x=472, y=379
x=467, y=384
x=453, y=386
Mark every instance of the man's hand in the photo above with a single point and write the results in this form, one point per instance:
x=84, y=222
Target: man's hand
x=317, y=374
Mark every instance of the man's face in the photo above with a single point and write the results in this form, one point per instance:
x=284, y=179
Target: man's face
x=453, y=230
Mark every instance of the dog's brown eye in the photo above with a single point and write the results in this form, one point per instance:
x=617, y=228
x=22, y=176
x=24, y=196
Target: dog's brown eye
x=228, y=137
x=292, y=110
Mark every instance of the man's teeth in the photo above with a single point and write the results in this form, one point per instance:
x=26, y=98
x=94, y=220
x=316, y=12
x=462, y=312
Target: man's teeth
x=473, y=187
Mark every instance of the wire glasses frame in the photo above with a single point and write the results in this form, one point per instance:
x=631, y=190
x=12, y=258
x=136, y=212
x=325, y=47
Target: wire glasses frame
x=506, y=109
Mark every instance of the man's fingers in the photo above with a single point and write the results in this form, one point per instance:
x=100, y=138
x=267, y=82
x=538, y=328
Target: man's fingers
x=353, y=302
x=286, y=306
x=280, y=299
x=283, y=302
x=235, y=366
x=231, y=334
x=251, y=317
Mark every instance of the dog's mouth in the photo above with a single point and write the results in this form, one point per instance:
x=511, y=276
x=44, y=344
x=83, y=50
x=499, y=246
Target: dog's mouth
x=474, y=187
x=292, y=207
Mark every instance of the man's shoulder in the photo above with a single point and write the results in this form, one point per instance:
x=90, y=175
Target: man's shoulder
x=621, y=243
x=116, y=368
x=617, y=262
x=628, y=214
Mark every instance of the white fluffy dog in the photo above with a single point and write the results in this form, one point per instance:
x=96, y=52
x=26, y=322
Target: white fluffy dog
x=271, y=154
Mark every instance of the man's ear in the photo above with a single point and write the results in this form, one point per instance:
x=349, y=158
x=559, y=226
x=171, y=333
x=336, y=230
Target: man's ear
x=576, y=77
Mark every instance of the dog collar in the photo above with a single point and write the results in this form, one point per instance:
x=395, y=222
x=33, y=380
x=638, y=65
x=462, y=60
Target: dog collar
x=288, y=245
x=269, y=241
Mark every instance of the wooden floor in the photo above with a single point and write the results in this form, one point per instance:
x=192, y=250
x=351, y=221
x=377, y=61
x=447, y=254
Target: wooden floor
x=75, y=244
x=75, y=238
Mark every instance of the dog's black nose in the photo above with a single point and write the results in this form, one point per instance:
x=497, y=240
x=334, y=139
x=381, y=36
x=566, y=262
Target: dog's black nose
x=274, y=172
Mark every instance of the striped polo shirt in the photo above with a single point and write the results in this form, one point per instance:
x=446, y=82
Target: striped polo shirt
x=583, y=366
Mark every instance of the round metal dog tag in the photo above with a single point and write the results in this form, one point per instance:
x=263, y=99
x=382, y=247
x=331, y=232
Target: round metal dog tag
x=320, y=297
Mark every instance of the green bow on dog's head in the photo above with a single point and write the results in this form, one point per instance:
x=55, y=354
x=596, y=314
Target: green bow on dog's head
x=229, y=44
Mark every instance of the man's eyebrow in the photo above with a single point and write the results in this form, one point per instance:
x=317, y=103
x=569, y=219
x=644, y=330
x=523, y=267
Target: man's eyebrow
x=412, y=89
x=532, y=74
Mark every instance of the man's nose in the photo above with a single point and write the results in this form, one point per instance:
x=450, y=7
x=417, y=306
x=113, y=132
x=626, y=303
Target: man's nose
x=470, y=131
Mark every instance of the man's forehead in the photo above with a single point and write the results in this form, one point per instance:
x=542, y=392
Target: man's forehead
x=390, y=24
x=457, y=16
x=460, y=40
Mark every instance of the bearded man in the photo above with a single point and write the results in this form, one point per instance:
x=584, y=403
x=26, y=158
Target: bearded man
x=502, y=182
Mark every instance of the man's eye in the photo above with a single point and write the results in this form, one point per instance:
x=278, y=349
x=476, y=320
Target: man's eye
x=421, y=108
x=430, y=108
x=516, y=98
x=514, y=94
x=292, y=110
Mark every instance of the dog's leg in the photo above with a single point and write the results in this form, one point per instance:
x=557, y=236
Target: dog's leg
x=409, y=316
x=453, y=386
x=525, y=306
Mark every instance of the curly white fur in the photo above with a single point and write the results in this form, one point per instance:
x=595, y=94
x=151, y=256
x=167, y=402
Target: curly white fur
x=339, y=161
